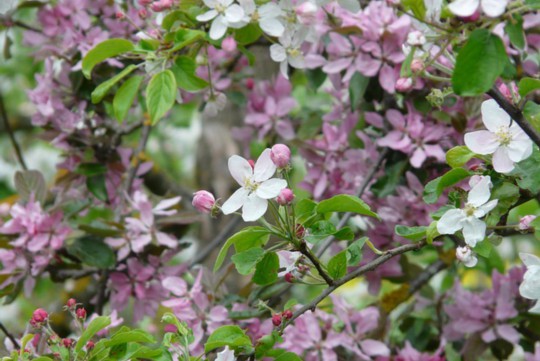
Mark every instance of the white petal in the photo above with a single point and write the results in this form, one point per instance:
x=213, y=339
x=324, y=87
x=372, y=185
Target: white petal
x=269, y=10
x=501, y=161
x=474, y=231
x=494, y=116
x=234, y=13
x=210, y=3
x=240, y=169
x=464, y=8
x=529, y=259
x=494, y=8
x=451, y=221
x=297, y=61
x=248, y=6
x=207, y=16
x=236, y=201
x=218, y=28
x=536, y=308
x=486, y=208
x=519, y=150
x=225, y=3
x=471, y=261
x=271, y=188
x=481, y=142
x=529, y=288
x=284, y=69
x=278, y=53
x=264, y=168
x=480, y=193
x=272, y=26
x=254, y=208
x=166, y=203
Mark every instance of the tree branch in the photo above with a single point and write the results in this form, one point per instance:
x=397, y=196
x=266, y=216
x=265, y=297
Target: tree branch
x=18, y=153
x=516, y=114
x=316, y=262
x=10, y=336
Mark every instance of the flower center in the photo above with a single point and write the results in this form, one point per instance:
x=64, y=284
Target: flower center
x=251, y=185
x=255, y=17
x=469, y=210
x=220, y=8
x=503, y=135
x=293, y=52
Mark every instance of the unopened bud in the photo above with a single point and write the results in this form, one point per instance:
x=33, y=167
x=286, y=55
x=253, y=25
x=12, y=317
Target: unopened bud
x=285, y=197
x=39, y=317
x=81, y=313
x=280, y=155
x=465, y=255
x=525, y=222
x=287, y=314
x=276, y=319
x=417, y=65
x=404, y=84
x=203, y=201
x=289, y=277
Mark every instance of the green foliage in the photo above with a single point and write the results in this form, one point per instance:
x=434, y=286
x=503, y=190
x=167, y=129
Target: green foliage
x=413, y=233
x=514, y=30
x=417, y=7
x=357, y=89
x=247, y=238
x=345, y=203
x=160, y=94
x=528, y=85
x=103, y=51
x=354, y=251
x=124, y=97
x=248, y=34
x=232, y=336
x=96, y=325
x=337, y=266
x=266, y=271
x=99, y=93
x=434, y=189
x=479, y=63
x=92, y=251
x=458, y=156
x=184, y=72
x=246, y=261
x=185, y=37
x=527, y=172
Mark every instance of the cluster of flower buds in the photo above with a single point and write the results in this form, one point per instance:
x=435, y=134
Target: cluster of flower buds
x=278, y=317
x=39, y=318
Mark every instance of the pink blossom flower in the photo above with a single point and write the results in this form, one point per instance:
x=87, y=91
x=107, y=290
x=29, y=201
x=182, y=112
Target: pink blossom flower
x=203, y=201
x=280, y=155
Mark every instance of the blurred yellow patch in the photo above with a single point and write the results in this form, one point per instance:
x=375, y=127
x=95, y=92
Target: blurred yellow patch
x=475, y=279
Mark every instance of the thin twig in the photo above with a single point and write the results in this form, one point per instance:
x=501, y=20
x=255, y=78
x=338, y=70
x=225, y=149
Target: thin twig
x=307, y=252
x=145, y=133
x=220, y=238
x=11, y=135
x=363, y=187
x=10, y=336
x=356, y=273
x=516, y=114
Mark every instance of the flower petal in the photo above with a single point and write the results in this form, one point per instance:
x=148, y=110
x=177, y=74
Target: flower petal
x=529, y=259
x=278, y=53
x=218, y=28
x=519, y=150
x=501, y=161
x=451, y=221
x=207, y=16
x=234, y=13
x=480, y=193
x=494, y=116
x=481, y=142
x=236, y=201
x=272, y=26
x=494, y=8
x=254, y=208
x=240, y=169
x=271, y=188
x=486, y=208
x=264, y=168
x=474, y=231
x=464, y=8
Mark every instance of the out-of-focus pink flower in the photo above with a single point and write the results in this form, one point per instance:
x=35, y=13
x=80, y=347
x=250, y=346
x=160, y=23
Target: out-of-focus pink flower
x=229, y=44
x=525, y=222
x=404, y=84
x=280, y=155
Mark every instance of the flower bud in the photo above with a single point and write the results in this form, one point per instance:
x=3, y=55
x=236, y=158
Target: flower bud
x=508, y=90
x=250, y=83
x=161, y=5
x=143, y=13
x=228, y=44
x=67, y=342
x=525, y=222
x=39, y=317
x=416, y=38
x=285, y=197
x=170, y=328
x=120, y=15
x=276, y=319
x=71, y=303
x=417, y=65
x=90, y=345
x=404, y=84
x=287, y=314
x=203, y=201
x=306, y=13
x=300, y=231
x=145, y=2
x=280, y=155
x=465, y=255
x=81, y=313
x=289, y=277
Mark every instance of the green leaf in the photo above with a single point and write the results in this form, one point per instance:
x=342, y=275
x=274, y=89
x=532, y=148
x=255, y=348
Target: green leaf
x=416, y=6
x=507, y=195
x=248, y=34
x=413, y=233
x=357, y=88
x=337, y=266
x=96, y=325
x=484, y=248
x=536, y=225
x=354, y=251
x=138, y=336
x=527, y=172
x=266, y=271
x=124, y=97
x=185, y=37
x=175, y=16
x=184, y=72
x=479, y=63
x=434, y=189
x=248, y=237
x=432, y=232
x=90, y=169
x=97, y=186
x=288, y=356
x=92, y=252
x=304, y=210
x=319, y=231
x=528, y=85
x=232, y=336
x=102, y=89
x=160, y=94
x=345, y=203
x=246, y=261
x=30, y=182
x=103, y=51
x=514, y=30
x=344, y=234
x=458, y=156
x=406, y=71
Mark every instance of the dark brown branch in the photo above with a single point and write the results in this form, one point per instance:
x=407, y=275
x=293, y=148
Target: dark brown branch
x=516, y=114
x=10, y=336
x=16, y=147
x=316, y=262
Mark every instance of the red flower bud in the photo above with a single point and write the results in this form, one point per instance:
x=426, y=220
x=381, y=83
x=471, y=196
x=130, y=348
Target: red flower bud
x=67, y=342
x=90, y=345
x=287, y=314
x=39, y=317
x=289, y=277
x=81, y=313
x=71, y=303
x=276, y=319
x=250, y=83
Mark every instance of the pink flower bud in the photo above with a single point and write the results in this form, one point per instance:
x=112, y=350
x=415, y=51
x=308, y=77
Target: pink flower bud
x=250, y=83
x=287, y=314
x=276, y=319
x=39, y=317
x=145, y=2
x=280, y=155
x=170, y=328
x=90, y=345
x=285, y=197
x=465, y=255
x=300, y=231
x=81, y=313
x=71, y=303
x=525, y=222
x=161, y=5
x=472, y=18
x=120, y=15
x=404, y=84
x=228, y=44
x=67, y=342
x=203, y=201
x=306, y=12
x=289, y=277
x=505, y=90
x=143, y=13
x=417, y=65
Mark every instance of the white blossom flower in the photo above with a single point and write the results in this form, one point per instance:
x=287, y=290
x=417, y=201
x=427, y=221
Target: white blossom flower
x=226, y=355
x=504, y=138
x=224, y=12
x=257, y=186
x=266, y=15
x=466, y=255
x=288, y=52
x=530, y=287
x=492, y=8
x=467, y=219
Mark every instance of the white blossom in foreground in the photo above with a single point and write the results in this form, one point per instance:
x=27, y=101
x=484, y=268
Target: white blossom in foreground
x=465, y=8
x=468, y=218
x=530, y=287
x=504, y=138
x=288, y=52
x=266, y=15
x=226, y=355
x=466, y=255
x=257, y=186
x=223, y=12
